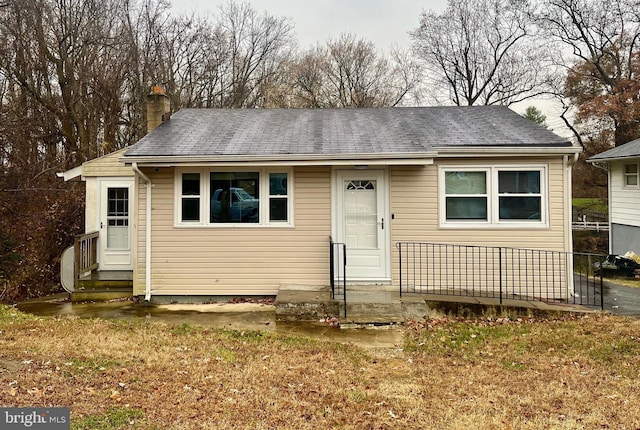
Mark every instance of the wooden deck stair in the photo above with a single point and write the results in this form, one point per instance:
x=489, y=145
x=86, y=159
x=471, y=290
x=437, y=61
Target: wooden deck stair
x=103, y=285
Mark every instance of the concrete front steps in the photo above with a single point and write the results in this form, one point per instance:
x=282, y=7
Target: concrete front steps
x=373, y=304
x=103, y=286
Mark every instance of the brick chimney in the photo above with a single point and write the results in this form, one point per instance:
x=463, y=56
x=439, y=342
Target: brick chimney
x=158, y=107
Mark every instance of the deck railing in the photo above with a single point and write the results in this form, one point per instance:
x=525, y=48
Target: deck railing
x=85, y=255
x=500, y=272
x=338, y=271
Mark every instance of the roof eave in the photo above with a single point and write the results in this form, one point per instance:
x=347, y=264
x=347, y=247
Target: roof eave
x=608, y=159
x=420, y=158
x=504, y=151
x=71, y=174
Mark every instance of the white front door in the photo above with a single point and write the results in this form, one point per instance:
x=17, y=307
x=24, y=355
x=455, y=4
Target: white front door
x=115, y=224
x=362, y=224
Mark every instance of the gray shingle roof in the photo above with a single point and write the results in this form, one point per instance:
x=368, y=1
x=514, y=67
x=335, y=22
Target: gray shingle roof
x=273, y=132
x=628, y=150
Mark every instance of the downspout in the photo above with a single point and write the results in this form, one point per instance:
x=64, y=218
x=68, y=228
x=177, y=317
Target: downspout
x=145, y=178
x=569, y=162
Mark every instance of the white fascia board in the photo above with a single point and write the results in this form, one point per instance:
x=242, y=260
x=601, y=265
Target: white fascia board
x=475, y=152
x=607, y=160
x=422, y=158
x=71, y=174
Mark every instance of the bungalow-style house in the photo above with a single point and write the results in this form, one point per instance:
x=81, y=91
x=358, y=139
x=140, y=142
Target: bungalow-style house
x=230, y=202
x=623, y=166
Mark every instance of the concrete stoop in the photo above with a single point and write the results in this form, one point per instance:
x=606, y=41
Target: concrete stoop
x=383, y=306
x=99, y=295
x=303, y=303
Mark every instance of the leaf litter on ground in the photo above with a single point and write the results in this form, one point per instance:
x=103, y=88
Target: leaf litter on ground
x=489, y=373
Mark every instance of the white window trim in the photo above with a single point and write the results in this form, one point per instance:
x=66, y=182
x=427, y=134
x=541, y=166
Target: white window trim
x=625, y=175
x=179, y=196
x=205, y=185
x=493, y=213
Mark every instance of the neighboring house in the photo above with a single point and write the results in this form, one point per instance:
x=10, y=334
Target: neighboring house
x=623, y=166
x=369, y=178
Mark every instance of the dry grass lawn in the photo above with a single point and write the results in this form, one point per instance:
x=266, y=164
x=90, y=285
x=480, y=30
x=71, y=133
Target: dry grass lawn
x=580, y=372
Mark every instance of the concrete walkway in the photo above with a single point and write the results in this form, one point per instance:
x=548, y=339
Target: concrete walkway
x=373, y=304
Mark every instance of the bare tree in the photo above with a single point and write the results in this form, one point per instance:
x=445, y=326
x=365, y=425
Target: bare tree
x=350, y=72
x=601, y=41
x=254, y=47
x=481, y=52
x=64, y=70
x=73, y=79
x=63, y=57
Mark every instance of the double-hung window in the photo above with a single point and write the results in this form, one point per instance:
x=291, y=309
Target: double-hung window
x=278, y=197
x=519, y=195
x=493, y=196
x=224, y=197
x=631, y=175
x=190, y=197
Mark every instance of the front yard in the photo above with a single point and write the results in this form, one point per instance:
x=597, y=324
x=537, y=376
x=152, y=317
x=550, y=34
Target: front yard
x=578, y=372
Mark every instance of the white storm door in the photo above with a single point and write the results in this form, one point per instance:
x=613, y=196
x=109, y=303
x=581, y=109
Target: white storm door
x=115, y=225
x=362, y=223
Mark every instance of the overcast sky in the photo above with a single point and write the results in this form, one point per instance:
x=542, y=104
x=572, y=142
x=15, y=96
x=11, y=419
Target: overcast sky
x=384, y=22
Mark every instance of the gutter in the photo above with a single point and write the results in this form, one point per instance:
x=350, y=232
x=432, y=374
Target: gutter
x=602, y=165
x=145, y=178
x=285, y=159
x=480, y=151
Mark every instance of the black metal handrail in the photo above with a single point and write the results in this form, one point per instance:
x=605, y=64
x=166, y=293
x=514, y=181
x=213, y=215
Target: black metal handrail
x=338, y=271
x=500, y=272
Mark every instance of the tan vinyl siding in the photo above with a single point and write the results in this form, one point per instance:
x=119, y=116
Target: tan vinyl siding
x=238, y=260
x=107, y=165
x=624, y=201
x=257, y=260
x=414, y=205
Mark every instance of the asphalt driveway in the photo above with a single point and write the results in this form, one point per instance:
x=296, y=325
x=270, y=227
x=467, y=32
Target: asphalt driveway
x=621, y=300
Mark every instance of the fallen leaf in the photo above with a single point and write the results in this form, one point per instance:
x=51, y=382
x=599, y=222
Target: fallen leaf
x=35, y=392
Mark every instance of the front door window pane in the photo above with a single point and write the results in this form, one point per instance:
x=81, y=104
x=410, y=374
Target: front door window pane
x=361, y=214
x=118, y=218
